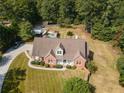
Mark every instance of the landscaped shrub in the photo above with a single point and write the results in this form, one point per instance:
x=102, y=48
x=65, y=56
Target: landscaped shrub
x=42, y=63
x=73, y=67
x=70, y=33
x=32, y=62
x=120, y=66
x=36, y=62
x=47, y=65
x=68, y=66
x=59, y=66
x=91, y=67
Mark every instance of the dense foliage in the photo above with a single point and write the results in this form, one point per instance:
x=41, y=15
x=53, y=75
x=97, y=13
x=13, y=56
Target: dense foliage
x=12, y=80
x=19, y=10
x=120, y=66
x=77, y=85
x=91, y=67
x=103, y=18
x=25, y=28
x=7, y=36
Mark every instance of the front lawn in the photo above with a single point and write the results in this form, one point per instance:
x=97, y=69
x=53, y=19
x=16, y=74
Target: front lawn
x=35, y=81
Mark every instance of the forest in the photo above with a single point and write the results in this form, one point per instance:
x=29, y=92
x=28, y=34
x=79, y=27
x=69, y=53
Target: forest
x=104, y=19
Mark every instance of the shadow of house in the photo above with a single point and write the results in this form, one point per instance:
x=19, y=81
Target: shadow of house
x=91, y=55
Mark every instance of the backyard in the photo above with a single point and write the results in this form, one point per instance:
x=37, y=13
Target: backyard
x=105, y=56
x=38, y=81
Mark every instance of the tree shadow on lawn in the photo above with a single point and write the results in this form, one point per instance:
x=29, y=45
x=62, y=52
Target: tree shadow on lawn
x=12, y=80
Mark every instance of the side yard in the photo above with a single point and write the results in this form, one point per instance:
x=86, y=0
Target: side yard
x=76, y=30
x=105, y=57
x=36, y=81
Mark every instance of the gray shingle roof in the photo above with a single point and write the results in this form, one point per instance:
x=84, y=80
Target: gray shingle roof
x=42, y=46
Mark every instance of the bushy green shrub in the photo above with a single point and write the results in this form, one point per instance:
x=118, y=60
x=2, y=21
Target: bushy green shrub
x=59, y=66
x=73, y=67
x=42, y=63
x=91, y=67
x=78, y=85
x=36, y=62
x=70, y=33
x=32, y=62
x=68, y=66
x=47, y=65
x=120, y=66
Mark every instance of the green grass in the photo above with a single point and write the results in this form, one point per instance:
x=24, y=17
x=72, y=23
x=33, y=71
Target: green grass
x=41, y=81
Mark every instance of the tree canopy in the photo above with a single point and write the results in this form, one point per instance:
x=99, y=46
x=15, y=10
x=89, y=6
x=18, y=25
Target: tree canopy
x=103, y=18
x=7, y=36
x=77, y=85
x=25, y=30
x=120, y=66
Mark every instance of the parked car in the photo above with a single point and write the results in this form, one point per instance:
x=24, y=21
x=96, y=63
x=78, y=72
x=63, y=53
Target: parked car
x=17, y=44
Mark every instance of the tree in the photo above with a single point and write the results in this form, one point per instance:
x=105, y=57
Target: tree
x=77, y=85
x=67, y=11
x=103, y=33
x=25, y=30
x=120, y=66
x=18, y=10
x=48, y=9
x=7, y=36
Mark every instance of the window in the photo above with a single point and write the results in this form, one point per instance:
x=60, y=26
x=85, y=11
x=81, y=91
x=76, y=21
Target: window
x=64, y=61
x=78, y=62
x=59, y=52
x=50, y=61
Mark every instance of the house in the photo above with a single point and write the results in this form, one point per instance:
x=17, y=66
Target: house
x=61, y=51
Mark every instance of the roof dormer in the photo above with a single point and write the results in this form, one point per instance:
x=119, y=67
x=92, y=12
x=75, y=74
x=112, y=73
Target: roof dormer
x=59, y=50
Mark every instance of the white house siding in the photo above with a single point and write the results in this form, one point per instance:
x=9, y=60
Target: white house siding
x=67, y=62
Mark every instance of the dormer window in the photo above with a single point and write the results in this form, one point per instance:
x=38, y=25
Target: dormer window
x=59, y=50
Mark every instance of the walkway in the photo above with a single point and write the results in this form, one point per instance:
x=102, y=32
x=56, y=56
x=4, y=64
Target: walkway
x=41, y=68
x=8, y=57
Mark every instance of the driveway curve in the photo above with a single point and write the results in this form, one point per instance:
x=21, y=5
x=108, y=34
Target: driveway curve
x=8, y=57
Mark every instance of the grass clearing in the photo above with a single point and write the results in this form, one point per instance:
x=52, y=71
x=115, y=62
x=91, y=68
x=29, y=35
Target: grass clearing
x=106, y=78
x=63, y=31
x=41, y=81
x=105, y=56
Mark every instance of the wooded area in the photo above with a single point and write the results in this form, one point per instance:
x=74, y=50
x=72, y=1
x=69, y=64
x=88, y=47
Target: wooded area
x=104, y=19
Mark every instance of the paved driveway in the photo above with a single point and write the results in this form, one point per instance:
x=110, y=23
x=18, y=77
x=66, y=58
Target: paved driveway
x=8, y=57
